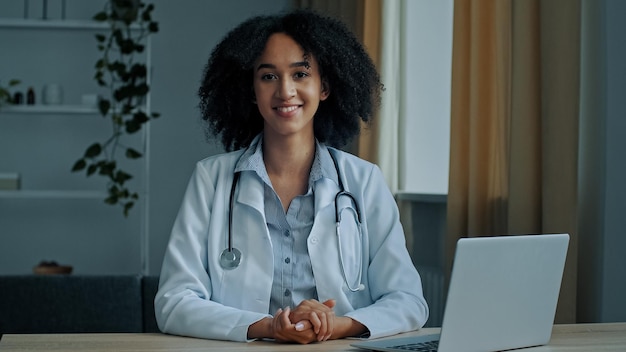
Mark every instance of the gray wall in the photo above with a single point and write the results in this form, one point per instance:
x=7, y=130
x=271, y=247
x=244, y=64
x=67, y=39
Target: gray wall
x=614, y=262
x=93, y=237
x=602, y=192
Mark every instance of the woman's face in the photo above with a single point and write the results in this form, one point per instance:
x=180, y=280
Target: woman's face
x=288, y=87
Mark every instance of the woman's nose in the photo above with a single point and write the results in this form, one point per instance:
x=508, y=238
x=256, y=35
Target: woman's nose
x=287, y=89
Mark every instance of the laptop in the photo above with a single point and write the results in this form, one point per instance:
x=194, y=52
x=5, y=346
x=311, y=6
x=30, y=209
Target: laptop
x=503, y=294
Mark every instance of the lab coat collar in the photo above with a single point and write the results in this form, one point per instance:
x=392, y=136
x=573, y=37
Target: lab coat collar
x=250, y=190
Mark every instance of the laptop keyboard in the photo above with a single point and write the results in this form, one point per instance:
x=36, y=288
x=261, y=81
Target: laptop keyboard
x=430, y=346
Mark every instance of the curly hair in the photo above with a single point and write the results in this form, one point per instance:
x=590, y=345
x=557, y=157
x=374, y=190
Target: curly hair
x=226, y=92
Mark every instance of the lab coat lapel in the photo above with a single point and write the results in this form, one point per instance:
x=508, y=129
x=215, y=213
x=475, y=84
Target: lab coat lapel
x=322, y=245
x=251, y=192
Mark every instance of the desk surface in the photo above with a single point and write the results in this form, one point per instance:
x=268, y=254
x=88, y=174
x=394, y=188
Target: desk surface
x=579, y=337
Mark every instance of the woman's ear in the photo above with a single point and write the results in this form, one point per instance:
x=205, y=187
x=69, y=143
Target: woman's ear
x=325, y=90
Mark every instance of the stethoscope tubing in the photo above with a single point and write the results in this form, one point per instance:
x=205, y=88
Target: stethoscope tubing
x=231, y=256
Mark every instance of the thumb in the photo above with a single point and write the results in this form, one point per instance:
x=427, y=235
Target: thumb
x=330, y=303
x=303, y=325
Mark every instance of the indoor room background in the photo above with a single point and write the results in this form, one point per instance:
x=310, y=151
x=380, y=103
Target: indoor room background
x=72, y=226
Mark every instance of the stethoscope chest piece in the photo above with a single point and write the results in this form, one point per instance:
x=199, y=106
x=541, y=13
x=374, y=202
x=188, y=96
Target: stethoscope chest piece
x=230, y=258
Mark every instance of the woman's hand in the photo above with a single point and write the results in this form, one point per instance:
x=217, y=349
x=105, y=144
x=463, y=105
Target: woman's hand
x=283, y=330
x=298, y=325
x=311, y=314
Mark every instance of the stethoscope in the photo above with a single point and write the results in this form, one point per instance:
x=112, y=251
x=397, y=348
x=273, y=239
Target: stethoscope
x=231, y=256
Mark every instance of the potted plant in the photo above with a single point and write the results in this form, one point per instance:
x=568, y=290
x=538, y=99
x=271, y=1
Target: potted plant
x=5, y=93
x=125, y=78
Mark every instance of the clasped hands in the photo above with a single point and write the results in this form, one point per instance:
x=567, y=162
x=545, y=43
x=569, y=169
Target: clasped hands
x=310, y=321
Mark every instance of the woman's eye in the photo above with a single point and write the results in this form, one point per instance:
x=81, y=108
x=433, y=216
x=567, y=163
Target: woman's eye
x=268, y=77
x=301, y=74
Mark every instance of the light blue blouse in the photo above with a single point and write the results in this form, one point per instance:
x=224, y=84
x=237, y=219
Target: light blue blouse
x=293, y=275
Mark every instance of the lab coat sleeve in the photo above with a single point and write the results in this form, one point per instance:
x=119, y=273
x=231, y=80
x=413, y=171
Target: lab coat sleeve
x=393, y=282
x=183, y=304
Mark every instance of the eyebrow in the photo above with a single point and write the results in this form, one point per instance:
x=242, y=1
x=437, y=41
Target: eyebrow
x=305, y=64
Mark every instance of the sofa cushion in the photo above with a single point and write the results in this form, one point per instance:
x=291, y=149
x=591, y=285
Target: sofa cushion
x=70, y=304
x=150, y=285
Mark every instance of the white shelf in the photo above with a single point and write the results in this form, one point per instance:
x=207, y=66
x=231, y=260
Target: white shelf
x=54, y=24
x=52, y=194
x=39, y=29
x=49, y=109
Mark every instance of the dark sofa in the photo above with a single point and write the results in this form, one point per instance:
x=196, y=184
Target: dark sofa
x=74, y=304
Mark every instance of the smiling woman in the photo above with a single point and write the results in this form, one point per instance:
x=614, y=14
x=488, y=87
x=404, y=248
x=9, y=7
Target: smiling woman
x=317, y=251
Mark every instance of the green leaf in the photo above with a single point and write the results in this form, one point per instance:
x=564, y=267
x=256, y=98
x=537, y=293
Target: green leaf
x=93, y=150
x=121, y=177
x=155, y=115
x=126, y=46
x=99, y=65
x=112, y=200
x=127, y=208
x=141, y=117
x=132, y=126
x=104, y=105
x=101, y=38
x=79, y=165
x=142, y=89
x=101, y=16
x=123, y=92
x=14, y=82
x=118, y=67
x=153, y=27
x=133, y=154
x=107, y=168
x=92, y=169
x=139, y=70
x=145, y=16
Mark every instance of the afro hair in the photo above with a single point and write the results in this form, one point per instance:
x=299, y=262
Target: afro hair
x=226, y=92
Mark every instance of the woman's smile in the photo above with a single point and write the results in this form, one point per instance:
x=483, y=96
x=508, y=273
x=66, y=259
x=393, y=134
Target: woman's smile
x=287, y=110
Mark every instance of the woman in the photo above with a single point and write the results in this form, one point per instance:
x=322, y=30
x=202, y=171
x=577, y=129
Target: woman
x=280, y=90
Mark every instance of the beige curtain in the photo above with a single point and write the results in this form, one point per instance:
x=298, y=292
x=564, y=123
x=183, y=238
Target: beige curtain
x=514, y=124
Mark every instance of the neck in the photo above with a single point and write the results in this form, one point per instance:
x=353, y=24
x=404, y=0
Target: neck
x=287, y=156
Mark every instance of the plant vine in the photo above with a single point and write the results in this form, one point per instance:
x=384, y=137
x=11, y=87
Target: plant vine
x=125, y=78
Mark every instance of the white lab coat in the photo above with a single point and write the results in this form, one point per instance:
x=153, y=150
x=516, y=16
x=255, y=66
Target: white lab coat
x=198, y=298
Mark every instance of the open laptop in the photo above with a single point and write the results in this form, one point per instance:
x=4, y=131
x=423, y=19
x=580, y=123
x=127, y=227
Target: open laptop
x=503, y=294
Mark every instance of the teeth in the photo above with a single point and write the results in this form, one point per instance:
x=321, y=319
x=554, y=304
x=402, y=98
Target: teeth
x=286, y=108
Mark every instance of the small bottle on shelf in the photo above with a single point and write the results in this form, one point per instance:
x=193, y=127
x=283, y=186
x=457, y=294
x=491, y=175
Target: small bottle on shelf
x=30, y=96
x=18, y=98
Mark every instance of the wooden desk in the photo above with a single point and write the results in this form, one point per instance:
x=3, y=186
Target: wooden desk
x=579, y=337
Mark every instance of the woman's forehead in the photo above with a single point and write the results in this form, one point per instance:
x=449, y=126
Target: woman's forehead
x=281, y=48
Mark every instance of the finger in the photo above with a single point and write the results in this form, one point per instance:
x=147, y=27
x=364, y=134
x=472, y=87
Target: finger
x=330, y=303
x=331, y=325
x=315, y=321
x=323, y=328
x=284, y=318
x=303, y=325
